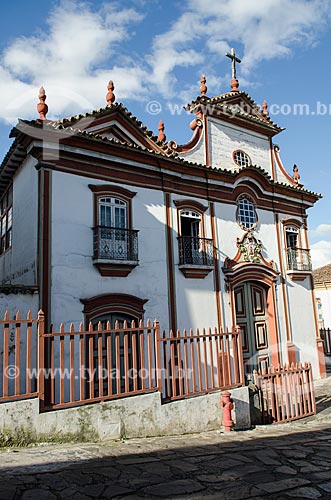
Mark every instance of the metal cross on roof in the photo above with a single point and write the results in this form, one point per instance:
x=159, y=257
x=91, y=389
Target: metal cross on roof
x=234, y=59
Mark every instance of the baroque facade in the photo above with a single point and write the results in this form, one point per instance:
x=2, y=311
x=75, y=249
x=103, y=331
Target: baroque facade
x=102, y=220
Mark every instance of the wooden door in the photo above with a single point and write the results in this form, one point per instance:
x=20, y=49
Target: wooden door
x=252, y=318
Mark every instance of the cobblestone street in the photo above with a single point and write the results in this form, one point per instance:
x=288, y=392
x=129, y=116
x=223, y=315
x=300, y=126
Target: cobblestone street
x=275, y=462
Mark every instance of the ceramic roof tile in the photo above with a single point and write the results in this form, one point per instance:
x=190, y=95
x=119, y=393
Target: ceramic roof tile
x=234, y=109
x=322, y=274
x=167, y=153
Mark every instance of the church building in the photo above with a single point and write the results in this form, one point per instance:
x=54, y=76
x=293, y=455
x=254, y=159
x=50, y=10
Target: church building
x=102, y=220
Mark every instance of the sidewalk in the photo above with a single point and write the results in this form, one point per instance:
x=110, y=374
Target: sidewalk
x=269, y=462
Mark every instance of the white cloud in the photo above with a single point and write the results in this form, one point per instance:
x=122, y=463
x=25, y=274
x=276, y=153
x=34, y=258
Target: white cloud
x=321, y=253
x=265, y=30
x=81, y=47
x=322, y=230
x=68, y=59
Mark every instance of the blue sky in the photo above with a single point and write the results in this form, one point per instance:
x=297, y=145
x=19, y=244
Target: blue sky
x=157, y=51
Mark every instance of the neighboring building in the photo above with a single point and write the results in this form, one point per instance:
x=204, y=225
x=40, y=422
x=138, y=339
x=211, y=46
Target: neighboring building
x=102, y=220
x=322, y=285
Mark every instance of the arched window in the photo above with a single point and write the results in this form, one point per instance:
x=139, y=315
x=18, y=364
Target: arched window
x=195, y=251
x=119, y=351
x=246, y=213
x=112, y=212
x=113, y=305
x=298, y=258
x=292, y=235
x=190, y=223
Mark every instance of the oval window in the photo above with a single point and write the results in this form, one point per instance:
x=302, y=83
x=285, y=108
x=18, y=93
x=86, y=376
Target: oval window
x=246, y=214
x=241, y=158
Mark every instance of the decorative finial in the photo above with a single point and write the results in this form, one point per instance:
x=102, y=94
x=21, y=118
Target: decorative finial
x=234, y=59
x=110, y=97
x=265, y=108
x=203, y=88
x=161, y=136
x=234, y=84
x=42, y=107
x=296, y=175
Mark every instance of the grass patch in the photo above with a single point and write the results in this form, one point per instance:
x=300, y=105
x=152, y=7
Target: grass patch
x=23, y=437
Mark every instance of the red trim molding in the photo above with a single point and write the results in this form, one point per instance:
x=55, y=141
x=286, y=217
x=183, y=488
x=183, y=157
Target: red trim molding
x=289, y=221
x=216, y=265
x=191, y=271
x=281, y=166
x=195, y=205
x=284, y=287
x=113, y=303
x=250, y=272
x=44, y=250
x=298, y=275
x=273, y=170
x=109, y=188
x=116, y=269
x=170, y=265
x=183, y=148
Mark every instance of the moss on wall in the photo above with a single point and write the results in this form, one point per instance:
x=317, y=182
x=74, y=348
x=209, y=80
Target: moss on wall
x=26, y=436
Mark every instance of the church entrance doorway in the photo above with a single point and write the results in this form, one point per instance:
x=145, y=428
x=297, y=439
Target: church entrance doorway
x=252, y=317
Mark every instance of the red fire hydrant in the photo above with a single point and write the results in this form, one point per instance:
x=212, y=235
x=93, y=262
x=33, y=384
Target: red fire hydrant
x=227, y=406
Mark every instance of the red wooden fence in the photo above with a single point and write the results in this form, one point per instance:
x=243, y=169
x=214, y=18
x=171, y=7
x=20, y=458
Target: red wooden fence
x=286, y=392
x=18, y=357
x=200, y=362
x=84, y=366
x=76, y=366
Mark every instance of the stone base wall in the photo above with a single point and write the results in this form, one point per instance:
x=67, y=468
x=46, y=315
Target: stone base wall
x=136, y=416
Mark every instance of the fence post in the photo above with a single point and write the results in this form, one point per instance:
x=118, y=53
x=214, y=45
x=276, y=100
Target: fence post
x=5, y=353
x=41, y=358
x=158, y=355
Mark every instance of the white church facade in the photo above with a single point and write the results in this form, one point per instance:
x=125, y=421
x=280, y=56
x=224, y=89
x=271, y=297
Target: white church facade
x=101, y=220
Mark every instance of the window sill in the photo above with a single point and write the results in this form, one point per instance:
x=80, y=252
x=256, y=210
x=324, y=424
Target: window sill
x=298, y=275
x=195, y=271
x=115, y=268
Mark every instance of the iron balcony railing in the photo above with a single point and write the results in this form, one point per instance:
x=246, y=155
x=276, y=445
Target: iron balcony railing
x=111, y=243
x=195, y=251
x=298, y=259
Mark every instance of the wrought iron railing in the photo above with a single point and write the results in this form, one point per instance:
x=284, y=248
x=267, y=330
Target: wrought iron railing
x=298, y=259
x=111, y=243
x=195, y=251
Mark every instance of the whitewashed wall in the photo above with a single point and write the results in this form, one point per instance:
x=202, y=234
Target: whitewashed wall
x=225, y=138
x=302, y=322
x=73, y=275
x=325, y=297
x=195, y=298
x=18, y=265
x=19, y=302
x=196, y=154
